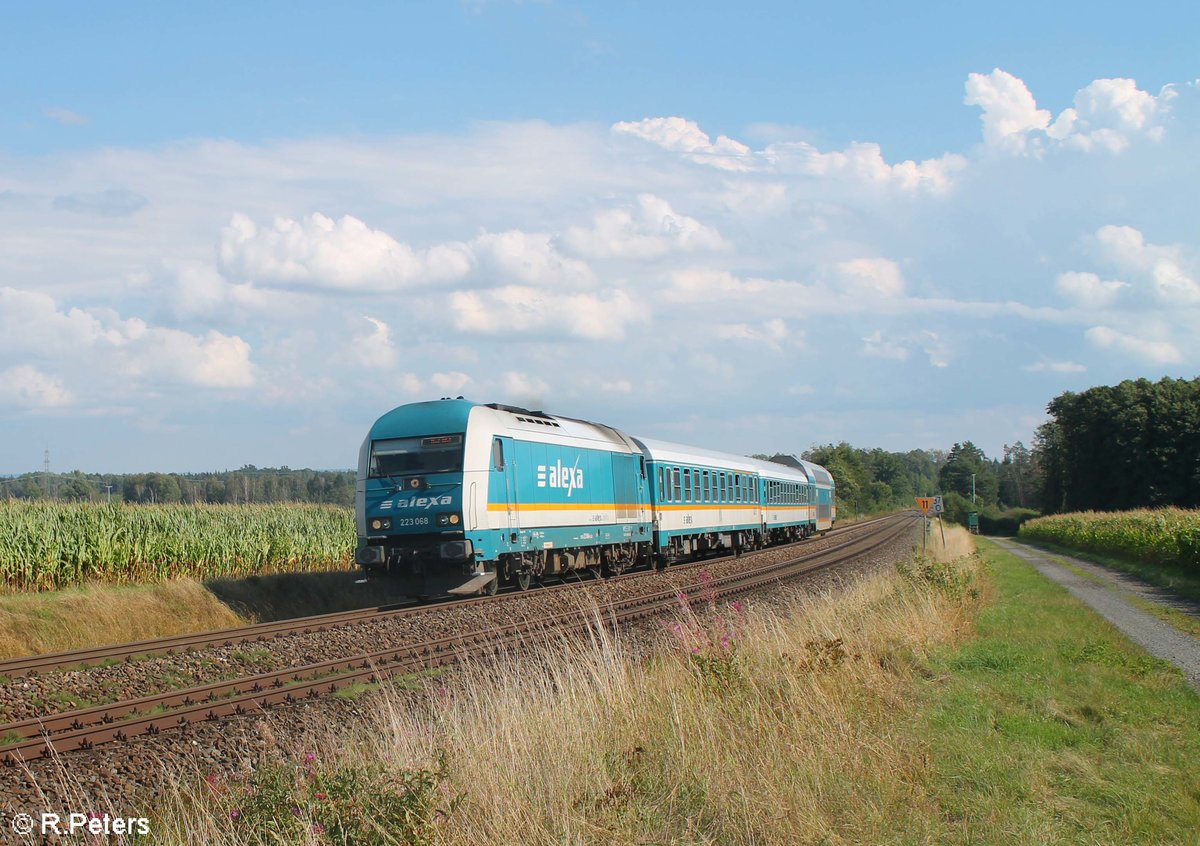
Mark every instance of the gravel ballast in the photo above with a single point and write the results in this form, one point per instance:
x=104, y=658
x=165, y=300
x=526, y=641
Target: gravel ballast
x=120, y=777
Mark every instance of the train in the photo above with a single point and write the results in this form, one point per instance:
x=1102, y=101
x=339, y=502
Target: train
x=458, y=497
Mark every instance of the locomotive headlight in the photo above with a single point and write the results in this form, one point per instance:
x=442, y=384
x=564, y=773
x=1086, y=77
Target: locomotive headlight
x=380, y=524
x=448, y=519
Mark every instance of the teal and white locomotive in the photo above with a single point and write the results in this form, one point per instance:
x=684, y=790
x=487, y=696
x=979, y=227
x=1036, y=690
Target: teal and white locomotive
x=459, y=497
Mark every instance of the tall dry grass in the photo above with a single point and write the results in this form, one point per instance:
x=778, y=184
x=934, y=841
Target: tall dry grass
x=744, y=724
x=36, y=623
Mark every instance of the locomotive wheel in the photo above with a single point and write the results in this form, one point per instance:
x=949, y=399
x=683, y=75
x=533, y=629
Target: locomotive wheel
x=523, y=579
x=493, y=586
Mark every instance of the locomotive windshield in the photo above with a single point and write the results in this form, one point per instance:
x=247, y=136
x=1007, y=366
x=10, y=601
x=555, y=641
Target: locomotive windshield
x=407, y=456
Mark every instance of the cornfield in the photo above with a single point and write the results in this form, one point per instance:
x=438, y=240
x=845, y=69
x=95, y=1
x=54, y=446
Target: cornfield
x=51, y=545
x=1165, y=536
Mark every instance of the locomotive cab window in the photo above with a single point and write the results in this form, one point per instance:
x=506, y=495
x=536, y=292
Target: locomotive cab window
x=497, y=454
x=408, y=456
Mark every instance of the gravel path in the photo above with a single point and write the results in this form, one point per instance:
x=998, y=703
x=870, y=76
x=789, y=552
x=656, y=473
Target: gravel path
x=1110, y=600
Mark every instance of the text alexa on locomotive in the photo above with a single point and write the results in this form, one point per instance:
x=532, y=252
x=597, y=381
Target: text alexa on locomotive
x=458, y=497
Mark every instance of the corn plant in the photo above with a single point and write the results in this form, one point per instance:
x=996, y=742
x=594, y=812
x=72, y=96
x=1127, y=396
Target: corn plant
x=1163, y=536
x=50, y=545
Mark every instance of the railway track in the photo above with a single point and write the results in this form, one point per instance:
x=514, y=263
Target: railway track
x=253, y=634
x=117, y=722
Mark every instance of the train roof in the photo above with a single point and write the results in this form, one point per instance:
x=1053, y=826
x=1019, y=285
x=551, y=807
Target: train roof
x=446, y=416
x=657, y=450
x=819, y=474
x=451, y=415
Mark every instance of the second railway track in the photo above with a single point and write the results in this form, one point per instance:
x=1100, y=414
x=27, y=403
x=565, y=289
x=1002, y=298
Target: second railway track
x=151, y=715
x=257, y=633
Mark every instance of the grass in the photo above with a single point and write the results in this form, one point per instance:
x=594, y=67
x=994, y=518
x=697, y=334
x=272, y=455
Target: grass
x=1052, y=726
x=964, y=701
x=37, y=623
x=96, y=614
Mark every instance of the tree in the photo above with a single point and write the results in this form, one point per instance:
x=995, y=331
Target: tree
x=967, y=469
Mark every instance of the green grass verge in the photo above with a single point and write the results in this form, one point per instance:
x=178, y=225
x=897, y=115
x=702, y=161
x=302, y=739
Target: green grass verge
x=1052, y=727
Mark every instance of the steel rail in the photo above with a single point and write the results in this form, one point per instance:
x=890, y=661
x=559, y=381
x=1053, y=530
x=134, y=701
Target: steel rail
x=119, y=722
x=258, y=632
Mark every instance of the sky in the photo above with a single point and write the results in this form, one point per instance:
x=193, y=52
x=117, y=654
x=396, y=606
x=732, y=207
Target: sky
x=238, y=233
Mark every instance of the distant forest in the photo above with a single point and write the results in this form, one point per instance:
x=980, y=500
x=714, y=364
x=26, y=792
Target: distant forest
x=1133, y=445
x=1136, y=444
x=249, y=484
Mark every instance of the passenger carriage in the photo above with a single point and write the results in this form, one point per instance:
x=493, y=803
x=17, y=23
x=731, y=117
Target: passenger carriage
x=789, y=501
x=822, y=495
x=703, y=500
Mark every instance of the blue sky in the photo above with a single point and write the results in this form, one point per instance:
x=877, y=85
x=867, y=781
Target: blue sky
x=237, y=235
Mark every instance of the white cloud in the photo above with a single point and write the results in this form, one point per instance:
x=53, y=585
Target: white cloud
x=876, y=346
x=771, y=333
x=860, y=162
x=1108, y=114
x=864, y=162
x=529, y=258
x=451, y=382
x=650, y=229
x=521, y=311
x=685, y=136
x=31, y=323
x=870, y=277
x=376, y=350
x=632, y=268
x=318, y=252
x=65, y=116
x=1088, y=290
x=27, y=387
x=1152, y=352
x=525, y=389
x=620, y=386
x=1160, y=266
x=1009, y=111
x=1055, y=367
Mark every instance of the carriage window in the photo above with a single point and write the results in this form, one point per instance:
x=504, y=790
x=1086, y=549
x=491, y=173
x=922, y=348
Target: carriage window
x=705, y=490
x=662, y=488
x=677, y=492
x=687, y=485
